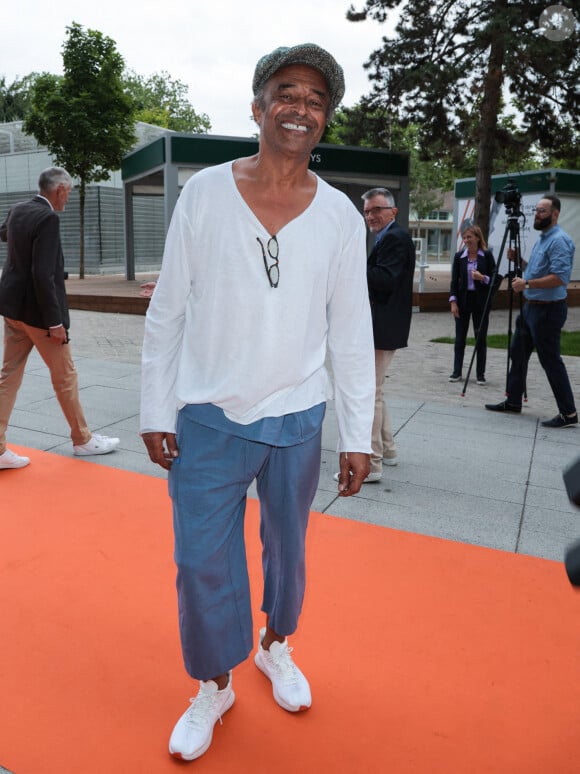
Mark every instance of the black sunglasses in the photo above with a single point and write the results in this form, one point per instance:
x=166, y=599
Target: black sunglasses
x=272, y=270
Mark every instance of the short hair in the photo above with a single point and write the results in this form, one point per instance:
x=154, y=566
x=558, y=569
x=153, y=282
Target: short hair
x=52, y=177
x=556, y=204
x=379, y=192
x=478, y=233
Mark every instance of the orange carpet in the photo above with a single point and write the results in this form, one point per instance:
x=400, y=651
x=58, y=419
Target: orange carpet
x=424, y=655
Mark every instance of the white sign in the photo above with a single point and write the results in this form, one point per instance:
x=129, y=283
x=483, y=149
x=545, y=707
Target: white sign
x=513, y=229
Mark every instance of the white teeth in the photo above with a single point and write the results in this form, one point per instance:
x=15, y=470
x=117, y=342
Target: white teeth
x=296, y=127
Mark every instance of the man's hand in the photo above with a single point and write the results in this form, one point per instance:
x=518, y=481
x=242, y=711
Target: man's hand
x=162, y=448
x=454, y=309
x=518, y=284
x=147, y=289
x=354, y=468
x=58, y=335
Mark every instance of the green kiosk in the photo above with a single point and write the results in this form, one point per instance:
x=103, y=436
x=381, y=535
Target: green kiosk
x=160, y=169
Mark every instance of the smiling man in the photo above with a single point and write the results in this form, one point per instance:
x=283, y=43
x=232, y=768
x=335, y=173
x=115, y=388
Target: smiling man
x=235, y=384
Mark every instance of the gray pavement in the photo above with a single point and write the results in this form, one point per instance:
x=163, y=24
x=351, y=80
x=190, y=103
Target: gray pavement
x=464, y=474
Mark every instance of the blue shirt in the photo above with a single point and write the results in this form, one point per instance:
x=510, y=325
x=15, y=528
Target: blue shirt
x=380, y=234
x=553, y=253
x=287, y=430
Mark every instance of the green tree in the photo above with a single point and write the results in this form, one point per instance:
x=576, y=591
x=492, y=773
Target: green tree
x=162, y=101
x=84, y=117
x=476, y=73
x=362, y=125
x=15, y=98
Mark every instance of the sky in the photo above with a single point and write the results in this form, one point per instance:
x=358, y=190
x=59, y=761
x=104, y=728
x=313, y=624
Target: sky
x=210, y=45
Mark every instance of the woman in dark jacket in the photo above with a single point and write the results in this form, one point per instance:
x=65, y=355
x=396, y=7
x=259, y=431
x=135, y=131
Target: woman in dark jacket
x=471, y=276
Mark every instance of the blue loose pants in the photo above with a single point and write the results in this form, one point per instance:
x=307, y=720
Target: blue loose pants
x=208, y=485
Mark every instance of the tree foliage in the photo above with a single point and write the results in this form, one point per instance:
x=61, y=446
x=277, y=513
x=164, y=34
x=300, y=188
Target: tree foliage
x=15, y=98
x=478, y=74
x=162, y=101
x=364, y=126
x=85, y=117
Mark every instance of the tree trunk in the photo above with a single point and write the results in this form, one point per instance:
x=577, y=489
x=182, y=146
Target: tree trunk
x=82, y=230
x=490, y=107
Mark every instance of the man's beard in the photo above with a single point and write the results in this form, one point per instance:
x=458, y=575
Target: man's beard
x=540, y=225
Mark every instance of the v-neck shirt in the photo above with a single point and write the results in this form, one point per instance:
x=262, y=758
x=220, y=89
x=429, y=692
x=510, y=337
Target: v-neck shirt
x=217, y=332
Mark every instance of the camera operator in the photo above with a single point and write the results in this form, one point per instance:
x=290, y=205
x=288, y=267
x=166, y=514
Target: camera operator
x=543, y=315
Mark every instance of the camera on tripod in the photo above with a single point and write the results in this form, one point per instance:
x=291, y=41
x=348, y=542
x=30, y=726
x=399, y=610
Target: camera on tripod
x=510, y=197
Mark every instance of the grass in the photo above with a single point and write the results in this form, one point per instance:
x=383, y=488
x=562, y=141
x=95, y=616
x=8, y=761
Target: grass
x=569, y=342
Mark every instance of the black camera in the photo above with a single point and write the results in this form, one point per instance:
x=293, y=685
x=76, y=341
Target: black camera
x=509, y=196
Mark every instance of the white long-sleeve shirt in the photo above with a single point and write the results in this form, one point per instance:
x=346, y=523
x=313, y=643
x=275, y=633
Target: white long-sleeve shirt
x=217, y=332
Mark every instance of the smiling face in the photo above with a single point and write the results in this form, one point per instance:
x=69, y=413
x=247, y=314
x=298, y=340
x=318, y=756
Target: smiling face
x=293, y=109
x=471, y=241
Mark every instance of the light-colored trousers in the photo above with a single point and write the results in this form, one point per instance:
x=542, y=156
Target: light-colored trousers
x=19, y=339
x=382, y=442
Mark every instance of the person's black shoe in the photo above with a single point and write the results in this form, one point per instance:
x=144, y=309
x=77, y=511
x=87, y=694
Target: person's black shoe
x=504, y=406
x=561, y=421
x=455, y=377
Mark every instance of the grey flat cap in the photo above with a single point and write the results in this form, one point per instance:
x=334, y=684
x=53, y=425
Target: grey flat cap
x=307, y=54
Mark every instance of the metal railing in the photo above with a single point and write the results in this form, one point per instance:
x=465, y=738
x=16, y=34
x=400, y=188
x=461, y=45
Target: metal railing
x=421, y=260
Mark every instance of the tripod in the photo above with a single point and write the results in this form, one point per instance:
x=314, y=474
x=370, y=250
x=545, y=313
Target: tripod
x=511, y=237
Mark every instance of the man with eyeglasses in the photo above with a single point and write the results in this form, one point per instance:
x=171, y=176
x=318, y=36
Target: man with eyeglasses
x=234, y=382
x=543, y=316
x=390, y=272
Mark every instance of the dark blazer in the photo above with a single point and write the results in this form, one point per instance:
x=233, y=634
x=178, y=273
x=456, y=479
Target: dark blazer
x=485, y=265
x=390, y=272
x=32, y=284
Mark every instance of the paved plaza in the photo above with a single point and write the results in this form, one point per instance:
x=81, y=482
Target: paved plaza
x=464, y=473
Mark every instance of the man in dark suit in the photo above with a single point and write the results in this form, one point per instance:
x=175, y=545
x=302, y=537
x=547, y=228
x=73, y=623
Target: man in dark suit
x=390, y=272
x=33, y=303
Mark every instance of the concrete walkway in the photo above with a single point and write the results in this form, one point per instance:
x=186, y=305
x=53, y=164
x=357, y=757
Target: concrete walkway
x=464, y=473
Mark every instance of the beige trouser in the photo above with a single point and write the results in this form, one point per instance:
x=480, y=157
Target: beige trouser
x=382, y=442
x=19, y=339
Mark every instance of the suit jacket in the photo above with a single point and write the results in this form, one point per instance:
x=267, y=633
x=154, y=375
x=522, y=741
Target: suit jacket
x=485, y=265
x=32, y=284
x=390, y=272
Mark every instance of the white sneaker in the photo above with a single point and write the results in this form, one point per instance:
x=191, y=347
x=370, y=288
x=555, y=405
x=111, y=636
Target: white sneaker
x=290, y=687
x=391, y=460
x=193, y=732
x=98, y=444
x=372, y=478
x=9, y=460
